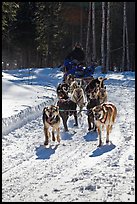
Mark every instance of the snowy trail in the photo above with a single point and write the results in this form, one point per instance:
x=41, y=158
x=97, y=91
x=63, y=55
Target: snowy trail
x=68, y=172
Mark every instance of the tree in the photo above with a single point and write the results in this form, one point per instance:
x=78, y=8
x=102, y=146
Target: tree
x=49, y=30
x=103, y=38
x=93, y=32
x=124, y=25
x=9, y=10
x=127, y=45
x=125, y=41
x=108, y=38
x=88, y=32
x=42, y=33
x=24, y=35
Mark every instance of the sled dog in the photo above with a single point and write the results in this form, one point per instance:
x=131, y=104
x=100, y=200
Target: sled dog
x=105, y=116
x=102, y=95
x=67, y=108
x=79, y=98
x=94, y=84
x=51, y=118
x=73, y=86
x=93, y=101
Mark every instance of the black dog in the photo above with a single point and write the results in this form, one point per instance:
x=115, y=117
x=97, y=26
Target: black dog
x=91, y=104
x=66, y=108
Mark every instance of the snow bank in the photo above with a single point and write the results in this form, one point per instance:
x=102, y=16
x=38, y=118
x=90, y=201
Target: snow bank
x=23, y=117
x=24, y=94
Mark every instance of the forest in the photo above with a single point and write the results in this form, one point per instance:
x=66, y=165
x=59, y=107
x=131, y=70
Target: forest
x=40, y=34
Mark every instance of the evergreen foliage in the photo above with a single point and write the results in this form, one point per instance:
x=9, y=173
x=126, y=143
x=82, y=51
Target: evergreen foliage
x=40, y=34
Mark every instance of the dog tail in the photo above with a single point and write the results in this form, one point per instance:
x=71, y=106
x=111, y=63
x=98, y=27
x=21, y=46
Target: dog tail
x=115, y=114
x=101, y=79
x=114, y=109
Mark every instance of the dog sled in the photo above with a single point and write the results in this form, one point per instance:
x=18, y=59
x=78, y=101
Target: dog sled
x=80, y=72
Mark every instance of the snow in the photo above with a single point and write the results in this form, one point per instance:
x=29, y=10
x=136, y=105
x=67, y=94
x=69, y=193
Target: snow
x=76, y=170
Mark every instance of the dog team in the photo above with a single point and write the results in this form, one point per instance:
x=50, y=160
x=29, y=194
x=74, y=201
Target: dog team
x=73, y=95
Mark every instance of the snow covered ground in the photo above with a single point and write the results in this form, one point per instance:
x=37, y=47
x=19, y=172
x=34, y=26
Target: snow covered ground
x=76, y=170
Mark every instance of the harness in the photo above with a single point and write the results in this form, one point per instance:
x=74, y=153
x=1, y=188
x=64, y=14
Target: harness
x=77, y=99
x=105, y=118
x=53, y=120
x=62, y=100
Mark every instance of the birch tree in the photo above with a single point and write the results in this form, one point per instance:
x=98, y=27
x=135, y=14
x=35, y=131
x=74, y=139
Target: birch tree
x=88, y=32
x=103, y=37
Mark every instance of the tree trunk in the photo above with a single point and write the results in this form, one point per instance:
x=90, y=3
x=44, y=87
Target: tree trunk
x=103, y=38
x=93, y=32
x=88, y=31
x=124, y=26
x=108, y=38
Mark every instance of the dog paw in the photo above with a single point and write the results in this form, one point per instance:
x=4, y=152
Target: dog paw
x=108, y=142
x=45, y=143
x=58, y=139
x=100, y=144
x=53, y=139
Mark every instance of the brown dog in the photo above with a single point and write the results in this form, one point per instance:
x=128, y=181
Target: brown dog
x=51, y=118
x=105, y=115
x=102, y=95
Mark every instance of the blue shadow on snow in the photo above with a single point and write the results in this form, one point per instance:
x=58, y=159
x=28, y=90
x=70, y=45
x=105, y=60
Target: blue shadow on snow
x=91, y=136
x=102, y=149
x=44, y=152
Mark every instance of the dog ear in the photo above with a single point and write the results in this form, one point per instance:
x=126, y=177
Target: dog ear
x=44, y=109
x=57, y=108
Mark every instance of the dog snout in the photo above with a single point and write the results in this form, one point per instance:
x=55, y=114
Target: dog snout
x=50, y=115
